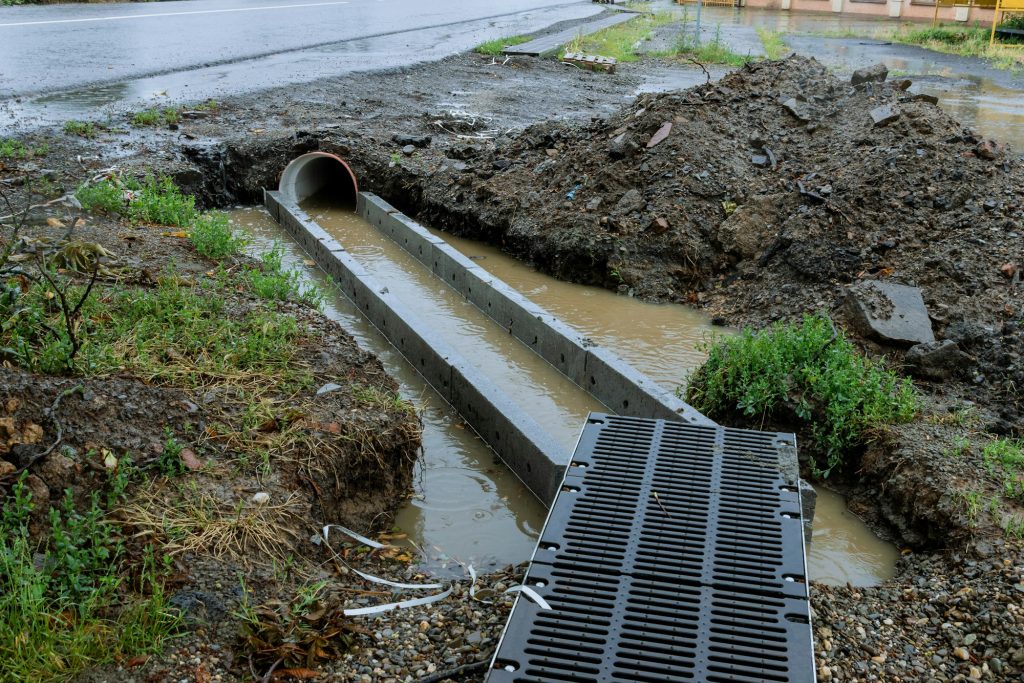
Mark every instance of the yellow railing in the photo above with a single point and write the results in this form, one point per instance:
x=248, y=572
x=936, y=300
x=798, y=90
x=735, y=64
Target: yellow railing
x=1015, y=6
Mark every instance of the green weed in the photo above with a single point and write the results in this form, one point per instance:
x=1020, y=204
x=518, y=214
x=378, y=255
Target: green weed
x=158, y=200
x=711, y=52
x=774, y=46
x=958, y=448
x=621, y=41
x=170, y=464
x=212, y=236
x=153, y=117
x=809, y=371
x=273, y=282
x=62, y=606
x=1005, y=458
x=494, y=47
x=83, y=129
x=15, y=149
x=103, y=197
x=208, y=105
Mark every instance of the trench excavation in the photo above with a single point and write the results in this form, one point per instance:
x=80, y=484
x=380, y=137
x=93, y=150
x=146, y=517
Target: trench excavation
x=468, y=506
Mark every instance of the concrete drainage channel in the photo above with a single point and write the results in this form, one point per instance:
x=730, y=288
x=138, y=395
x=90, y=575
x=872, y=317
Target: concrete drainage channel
x=534, y=455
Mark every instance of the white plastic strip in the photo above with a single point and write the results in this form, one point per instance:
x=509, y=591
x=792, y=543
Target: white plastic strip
x=351, y=534
x=394, y=584
x=533, y=595
x=404, y=604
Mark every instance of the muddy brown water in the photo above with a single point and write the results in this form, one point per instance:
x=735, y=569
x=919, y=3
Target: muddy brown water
x=467, y=506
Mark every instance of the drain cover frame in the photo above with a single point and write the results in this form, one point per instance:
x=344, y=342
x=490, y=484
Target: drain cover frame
x=673, y=552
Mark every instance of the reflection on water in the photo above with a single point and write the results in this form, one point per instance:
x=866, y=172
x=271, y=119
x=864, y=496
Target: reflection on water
x=843, y=549
x=662, y=341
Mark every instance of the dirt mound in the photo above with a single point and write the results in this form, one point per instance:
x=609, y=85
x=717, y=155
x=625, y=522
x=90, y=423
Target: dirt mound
x=762, y=196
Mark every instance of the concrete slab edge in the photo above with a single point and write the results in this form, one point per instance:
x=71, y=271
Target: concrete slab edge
x=522, y=444
x=597, y=370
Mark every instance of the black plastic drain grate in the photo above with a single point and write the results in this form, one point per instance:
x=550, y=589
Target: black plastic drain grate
x=673, y=552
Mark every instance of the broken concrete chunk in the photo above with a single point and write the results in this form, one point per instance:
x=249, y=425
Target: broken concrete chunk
x=621, y=146
x=660, y=135
x=884, y=115
x=760, y=160
x=408, y=150
x=889, y=312
x=935, y=360
x=797, y=108
x=876, y=73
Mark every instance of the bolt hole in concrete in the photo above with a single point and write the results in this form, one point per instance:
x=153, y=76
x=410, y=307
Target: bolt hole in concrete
x=467, y=505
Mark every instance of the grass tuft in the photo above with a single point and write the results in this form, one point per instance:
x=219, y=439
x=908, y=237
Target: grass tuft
x=83, y=129
x=809, y=371
x=494, y=47
x=212, y=236
x=621, y=41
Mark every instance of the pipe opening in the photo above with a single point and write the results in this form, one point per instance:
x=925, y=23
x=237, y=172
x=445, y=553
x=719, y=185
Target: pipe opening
x=321, y=175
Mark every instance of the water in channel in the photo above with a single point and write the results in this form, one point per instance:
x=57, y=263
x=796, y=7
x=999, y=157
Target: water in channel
x=468, y=506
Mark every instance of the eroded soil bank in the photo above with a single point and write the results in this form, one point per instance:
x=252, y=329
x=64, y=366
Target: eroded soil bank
x=773, y=191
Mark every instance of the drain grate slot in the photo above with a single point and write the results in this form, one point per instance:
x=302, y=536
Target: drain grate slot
x=673, y=552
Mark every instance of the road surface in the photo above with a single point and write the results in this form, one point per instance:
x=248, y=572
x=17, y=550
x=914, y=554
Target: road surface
x=72, y=58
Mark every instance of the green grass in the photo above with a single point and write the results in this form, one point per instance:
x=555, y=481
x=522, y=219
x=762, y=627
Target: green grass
x=620, y=41
x=272, y=281
x=774, y=46
x=83, y=129
x=494, y=47
x=153, y=117
x=213, y=238
x=63, y=607
x=156, y=199
x=15, y=149
x=171, y=334
x=714, y=51
x=802, y=371
x=1005, y=459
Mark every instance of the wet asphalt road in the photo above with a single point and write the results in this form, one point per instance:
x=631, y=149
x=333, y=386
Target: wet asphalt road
x=239, y=45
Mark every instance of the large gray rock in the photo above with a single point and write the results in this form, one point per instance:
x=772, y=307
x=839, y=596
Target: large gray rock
x=889, y=312
x=876, y=73
x=936, y=360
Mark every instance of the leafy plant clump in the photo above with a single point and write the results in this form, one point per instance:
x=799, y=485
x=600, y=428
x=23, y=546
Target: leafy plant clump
x=62, y=606
x=155, y=199
x=83, y=129
x=213, y=238
x=808, y=371
x=152, y=117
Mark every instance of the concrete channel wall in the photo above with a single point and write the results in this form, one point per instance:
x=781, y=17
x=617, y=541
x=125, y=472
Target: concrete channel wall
x=522, y=444
x=596, y=370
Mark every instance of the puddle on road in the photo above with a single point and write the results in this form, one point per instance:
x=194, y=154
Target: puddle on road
x=467, y=505
x=843, y=549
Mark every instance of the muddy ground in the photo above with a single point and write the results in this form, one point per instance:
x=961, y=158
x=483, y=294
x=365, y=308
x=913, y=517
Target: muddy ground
x=772, y=192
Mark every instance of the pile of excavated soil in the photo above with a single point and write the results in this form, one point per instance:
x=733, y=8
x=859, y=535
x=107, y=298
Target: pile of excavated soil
x=762, y=196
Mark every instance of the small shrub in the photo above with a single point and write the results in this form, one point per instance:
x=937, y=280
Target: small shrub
x=212, y=236
x=808, y=371
x=105, y=196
